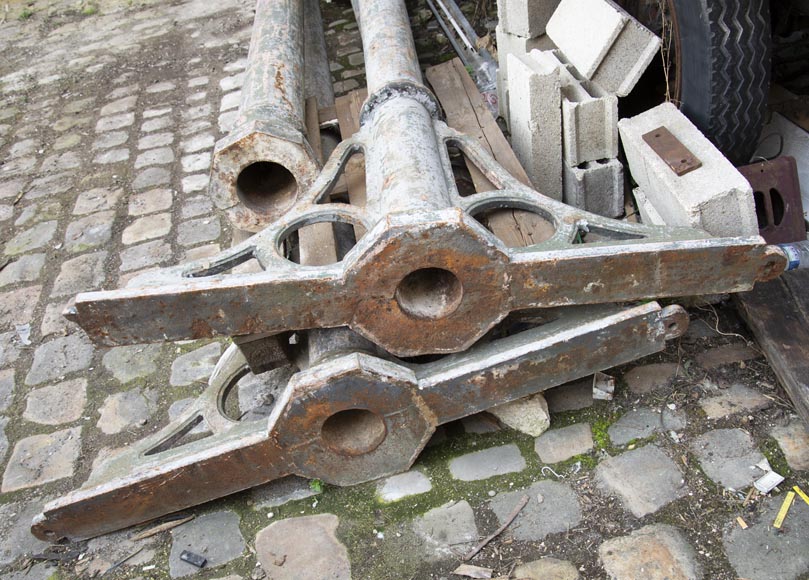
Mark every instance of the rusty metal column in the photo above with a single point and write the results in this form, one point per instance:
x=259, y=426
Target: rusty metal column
x=403, y=164
x=259, y=169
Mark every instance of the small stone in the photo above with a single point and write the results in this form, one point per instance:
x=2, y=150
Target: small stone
x=196, y=162
x=127, y=363
x=655, y=552
x=126, y=410
x=728, y=457
x=66, y=141
x=794, y=442
x=98, y=199
x=650, y=378
x=197, y=205
x=155, y=124
x=561, y=444
x=403, y=485
x=110, y=140
x=151, y=177
x=644, y=422
x=195, y=366
x=155, y=140
x=281, y=491
x=158, y=112
x=53, y=322
x=197, y=112
x=31, y=239
x=727, y=354
x=304, y=547
x=6, y=388
x=645, y=479
x=446, y=530
x=89, y=232
x=49, y=186
x=80, y=275
x=57, y=404
x=147, y=228
x=231, y=83
x=557, y=511
x=60, y=162
x=762, y=552
x=161, y=87
x=231, y=101
x=144, y=255
x=159, y=156
x=356, y=59
x=528, y=415
x=60, y=356
x=198, y=182
x=17, y=306
x=487, y=463
x=111, y=156
x=197, y=231
x=198, y=143
x=41, y=459
x=11, y=188
x=114, y=122
x=23, y=148
x=570, y=396
x=216, y=536
x=150, y=201
x=546, y=569
x=120, y=106
x=197, y=82
x=24, y=269
x=735, y=399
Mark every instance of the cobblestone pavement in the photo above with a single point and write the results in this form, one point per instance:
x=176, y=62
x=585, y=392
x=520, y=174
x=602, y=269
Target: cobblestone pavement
x=108, y=116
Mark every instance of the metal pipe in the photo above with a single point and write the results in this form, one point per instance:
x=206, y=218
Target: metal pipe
x=259, y=169
x=317, y=75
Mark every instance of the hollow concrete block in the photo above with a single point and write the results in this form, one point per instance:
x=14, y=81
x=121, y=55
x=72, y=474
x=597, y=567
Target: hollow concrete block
x=596, y=186
x=526, y=18
x=715, y=197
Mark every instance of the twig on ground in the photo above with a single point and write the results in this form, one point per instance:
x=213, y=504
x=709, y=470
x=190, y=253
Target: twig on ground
x=473, y=552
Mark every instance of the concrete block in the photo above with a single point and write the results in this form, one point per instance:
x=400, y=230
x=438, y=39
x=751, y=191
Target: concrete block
x=526, y=18
x=596, y=186
x=512, y=44
x=589, y=114
x=648, y=213
x=714, y=197
x=535, y=116
x=603, y=42
x=502, y=93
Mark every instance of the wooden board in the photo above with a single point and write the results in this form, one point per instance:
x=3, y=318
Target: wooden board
x=778, y=314
x=466, y=112
x=348, y=116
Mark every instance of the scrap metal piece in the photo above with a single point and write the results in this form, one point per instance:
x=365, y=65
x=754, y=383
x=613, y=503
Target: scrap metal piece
x=672, y=151
x=347, y=419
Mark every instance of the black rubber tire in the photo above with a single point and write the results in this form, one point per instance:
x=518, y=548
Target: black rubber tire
x=724, y=58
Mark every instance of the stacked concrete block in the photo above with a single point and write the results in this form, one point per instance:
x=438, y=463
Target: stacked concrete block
x=536, y=121
x=589, y=114
x=508, y=43
x=596, y=186
x=715, y=197
x=648, y=213
x=526, y=18
x=603, y=42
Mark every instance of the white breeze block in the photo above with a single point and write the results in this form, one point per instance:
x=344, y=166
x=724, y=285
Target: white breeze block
x=596, y=186
x=589, y=115
x=648, y=213
x=585, y=30
x=714, y=197
x=526, y=18
x=536, y=122
x=511, y=44
x=603, y=42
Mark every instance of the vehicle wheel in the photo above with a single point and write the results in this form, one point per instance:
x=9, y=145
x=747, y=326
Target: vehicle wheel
x=716, y=65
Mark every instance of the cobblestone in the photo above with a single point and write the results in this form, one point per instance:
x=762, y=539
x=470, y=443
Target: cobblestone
x=304, y=547
x=151, y=177
x=487, y=463
x=153, y=140
x=111, y=156
x=98, y=199
x=561, y=444
x=728, y=457
x=144, y=255
x=656, y=552
x=110, y=139
x=727, y=354
x=650, y=378
x=159, y=156
x=547, y=569
x=127, y=363
x=80, y=274
x=41, y=459
x=89, y=232
x=6, y=388
x=31, y=239
x=215, y=535
x=57, y=404
x=194, y=366
x=446, y=530
x=644, y=422
x=24, y=269
x=15, y=531
x=17, y=306
x=198, y=231
x=192, y=183
x=150, y=201
x=552, y=507
x=403, y=485
x=794, y=442
x=128, y=410
x=115, y=122
x=59, y=357
x=147, y=228
x=735, y=399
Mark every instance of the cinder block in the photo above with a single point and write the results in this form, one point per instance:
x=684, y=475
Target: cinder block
x=535, y=115
x=589, y=114
x=512, y=44
x=596, y=186
x=526, y=18
x=603, y=42
x=648, y=213
x=502, y=93
x=715, y=197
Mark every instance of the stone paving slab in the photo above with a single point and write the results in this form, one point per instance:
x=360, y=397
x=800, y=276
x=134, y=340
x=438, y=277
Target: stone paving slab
x=552, y=507
x=403, y=485
x=487, y=463
x=447, y=530
x=656, y=552
x=794, y=442
x=728, y=457
x=41, y=459
x=644, y=422
x=561, y=444
x=735, y=399
x=215, y=536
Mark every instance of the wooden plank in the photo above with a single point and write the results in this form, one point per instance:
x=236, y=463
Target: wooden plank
x=348, y=116
x=467, y=112
x=778, y=314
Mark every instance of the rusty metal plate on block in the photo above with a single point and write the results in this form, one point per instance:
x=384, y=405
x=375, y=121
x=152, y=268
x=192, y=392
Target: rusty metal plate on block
x=777, y=195
x=672, y=151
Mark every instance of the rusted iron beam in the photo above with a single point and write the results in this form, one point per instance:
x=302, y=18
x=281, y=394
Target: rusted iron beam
x=349, y=418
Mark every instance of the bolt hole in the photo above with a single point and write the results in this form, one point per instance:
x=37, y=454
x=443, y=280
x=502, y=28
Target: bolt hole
x=353, y=432
x=266, y=186
x=429, y=293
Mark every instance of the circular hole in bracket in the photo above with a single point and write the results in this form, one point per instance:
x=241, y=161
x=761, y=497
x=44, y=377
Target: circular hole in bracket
x=320, y=240
x=265, y=186
x=353, y=432
x=431, y=293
